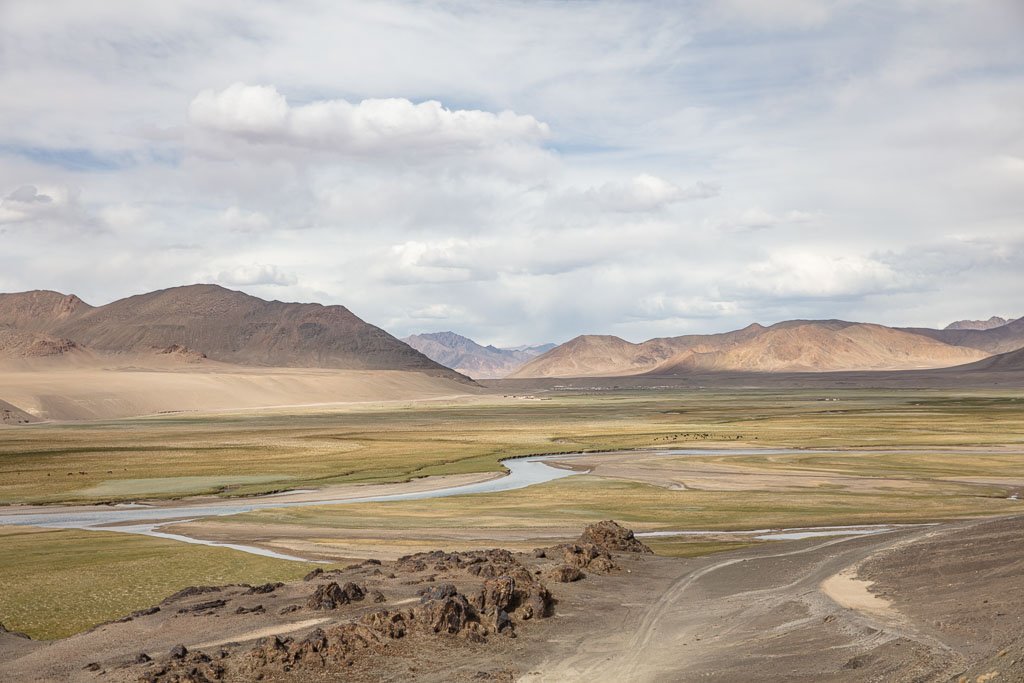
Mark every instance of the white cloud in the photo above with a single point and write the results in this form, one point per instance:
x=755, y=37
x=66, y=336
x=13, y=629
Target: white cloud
x=49, y=206
x=261, y=114
x=802, y=274
x=671, y=167
x=241, y=276
x=647, y=192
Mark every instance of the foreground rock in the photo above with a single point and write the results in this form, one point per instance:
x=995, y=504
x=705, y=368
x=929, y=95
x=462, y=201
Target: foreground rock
x=463, y=597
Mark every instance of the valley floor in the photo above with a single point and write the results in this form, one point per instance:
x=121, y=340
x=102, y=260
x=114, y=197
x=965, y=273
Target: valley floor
x=768, y=613
x=715, y=604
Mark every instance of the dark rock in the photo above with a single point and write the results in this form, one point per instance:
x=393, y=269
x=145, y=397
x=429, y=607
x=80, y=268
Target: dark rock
x=502, y=621
x=143, y=658
x=190, y=592
x=445, y=615
x=499, y=595
x=611, y=536
x=565, y=573
x=438, y=592
x=179, y=652
x=313, y=574
x=332, y=596
x=377, y=596
x=258, y=609
x=289, y=609
x=263, y=589
x=92, y=666
x=203, y=606
x=539, y=553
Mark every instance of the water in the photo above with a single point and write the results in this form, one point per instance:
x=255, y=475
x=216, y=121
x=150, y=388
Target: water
x=133, y=518
x=522, y=472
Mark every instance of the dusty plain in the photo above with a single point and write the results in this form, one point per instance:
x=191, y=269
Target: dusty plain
x=834, y=456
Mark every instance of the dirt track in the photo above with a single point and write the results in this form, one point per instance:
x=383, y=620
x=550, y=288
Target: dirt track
x=944, y=601
x=762, y=615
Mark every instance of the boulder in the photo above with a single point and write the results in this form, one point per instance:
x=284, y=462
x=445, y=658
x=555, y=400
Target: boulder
x=331, y=596
x=613, y=537
x=565, y=573
x=445, y=615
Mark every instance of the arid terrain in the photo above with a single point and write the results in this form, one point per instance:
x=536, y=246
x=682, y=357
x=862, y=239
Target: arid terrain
x=257, y=490
x=601, y=607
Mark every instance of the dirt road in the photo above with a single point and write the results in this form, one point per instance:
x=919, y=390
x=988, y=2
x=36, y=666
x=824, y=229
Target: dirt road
x=762, y=615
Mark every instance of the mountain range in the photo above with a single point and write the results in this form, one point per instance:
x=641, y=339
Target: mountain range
x=204, y=321
x=791, y=346
x=993, y=322
x=470, y=358
x=198, y=348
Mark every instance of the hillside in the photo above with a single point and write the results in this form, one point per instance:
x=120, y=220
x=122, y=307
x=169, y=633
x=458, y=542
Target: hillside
x=791, y=346
x=1008, y=337
x=1012, y=361
x=224, y=325
x=992, y=323
x=470, y=358
x=198, y=348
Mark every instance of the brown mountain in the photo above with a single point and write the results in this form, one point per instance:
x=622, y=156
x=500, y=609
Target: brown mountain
x=224, y=325
x=464, y=355
x=1012, y=361
x=991, y=323
x=791, y=346
x=1008, y=337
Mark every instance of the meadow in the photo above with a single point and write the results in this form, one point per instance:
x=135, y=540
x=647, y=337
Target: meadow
x=930, y=455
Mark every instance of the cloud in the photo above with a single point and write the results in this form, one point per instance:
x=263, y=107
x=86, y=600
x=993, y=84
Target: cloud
x=647, y=192
x=668, y=168
x=28, y=194
x=242, y=276
x=756, y=218
x=52, y=207
x=810, y=275
x=260, y=114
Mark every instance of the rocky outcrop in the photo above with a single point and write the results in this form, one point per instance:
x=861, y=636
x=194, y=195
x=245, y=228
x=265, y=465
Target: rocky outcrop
x=331, y=596
x=611, y=536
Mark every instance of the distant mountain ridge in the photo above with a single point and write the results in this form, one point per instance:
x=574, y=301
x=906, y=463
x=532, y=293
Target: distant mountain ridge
x=790, y=346
x=205, y=320
x=470, y=358
x=991, y=323
x=1002, y=339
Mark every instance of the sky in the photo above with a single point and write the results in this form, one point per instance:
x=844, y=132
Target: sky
x=522, y=171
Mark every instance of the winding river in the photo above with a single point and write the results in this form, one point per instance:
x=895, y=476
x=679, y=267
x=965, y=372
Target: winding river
x=522, y=472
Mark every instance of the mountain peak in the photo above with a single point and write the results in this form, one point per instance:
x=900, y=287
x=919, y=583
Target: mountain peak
x=469, y=357
x=990, y=324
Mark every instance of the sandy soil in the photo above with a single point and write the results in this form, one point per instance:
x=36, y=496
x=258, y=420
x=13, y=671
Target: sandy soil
x=90, y=392
x=679, y=473
x=950, y=604
x=853, y=593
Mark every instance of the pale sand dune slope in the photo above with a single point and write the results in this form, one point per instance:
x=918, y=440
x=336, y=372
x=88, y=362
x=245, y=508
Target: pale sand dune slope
x=89, y=393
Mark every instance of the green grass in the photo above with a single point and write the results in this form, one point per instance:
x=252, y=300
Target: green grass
x=57, y=583
x=130, y=459
x=577, y=501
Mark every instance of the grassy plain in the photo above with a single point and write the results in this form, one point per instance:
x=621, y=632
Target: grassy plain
x=173, y=456
x=969, y=435
x=54, y=583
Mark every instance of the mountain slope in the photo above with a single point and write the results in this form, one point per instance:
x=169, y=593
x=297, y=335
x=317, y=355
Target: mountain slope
x=1012, y=361
x=1008, y=337
x=791, y=346
x=470, y=358
x=992, y=323
x=225, y=325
